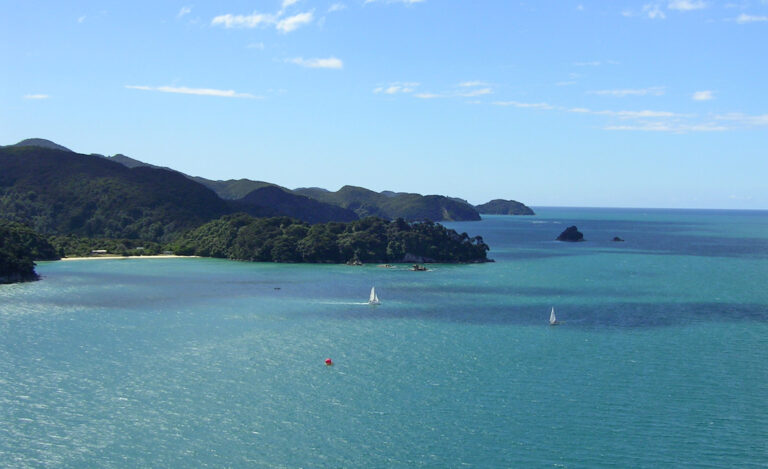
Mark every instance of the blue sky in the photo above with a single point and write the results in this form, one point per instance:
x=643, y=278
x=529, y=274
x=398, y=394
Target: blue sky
x=570, y=103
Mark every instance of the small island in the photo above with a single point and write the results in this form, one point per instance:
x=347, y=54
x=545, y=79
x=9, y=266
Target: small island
x=504, y=207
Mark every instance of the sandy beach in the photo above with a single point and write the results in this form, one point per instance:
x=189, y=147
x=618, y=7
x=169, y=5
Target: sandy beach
x=96, y=258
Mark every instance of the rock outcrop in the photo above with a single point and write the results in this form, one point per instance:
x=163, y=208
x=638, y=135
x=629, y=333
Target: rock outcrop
x=571, y=234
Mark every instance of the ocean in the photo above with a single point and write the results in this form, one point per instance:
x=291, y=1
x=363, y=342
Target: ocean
x=660, y=360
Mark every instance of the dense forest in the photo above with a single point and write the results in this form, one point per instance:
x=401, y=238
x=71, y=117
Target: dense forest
x=19, y=248
x=371, y=239
x=391, y=205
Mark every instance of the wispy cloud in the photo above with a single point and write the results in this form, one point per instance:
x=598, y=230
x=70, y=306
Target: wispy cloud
x=336, y=7
x=396, y=87
x=407, y=2
x=256, y=45
x=652, y=91
x=36, y=96
x=469, y=84
x=81, y=19
x=518, y=104
x=330, y=62
x=256, y=19
x=184, y=11
x=745, y=119
x=593, y=63
x=476, y=92
x=193, y=91
x=654, y=12
x=744, y=18
x=243, y=21
x=670, y=127
x=702, y=95
x=292, y=23
x=428, y=95
x=686, y=5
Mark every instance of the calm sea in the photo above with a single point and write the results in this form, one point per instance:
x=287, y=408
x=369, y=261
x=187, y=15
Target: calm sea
x=661, y=358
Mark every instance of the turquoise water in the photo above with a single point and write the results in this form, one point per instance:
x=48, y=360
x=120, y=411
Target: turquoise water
x=661, y=359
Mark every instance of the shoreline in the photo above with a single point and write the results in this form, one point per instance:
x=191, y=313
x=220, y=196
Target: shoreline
x=96, y=258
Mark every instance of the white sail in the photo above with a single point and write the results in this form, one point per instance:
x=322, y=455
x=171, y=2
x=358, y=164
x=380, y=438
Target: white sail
x=374, y=298
x=552, y=318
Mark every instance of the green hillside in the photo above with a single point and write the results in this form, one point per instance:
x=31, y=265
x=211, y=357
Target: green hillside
x=60, y=192
x=391, y=205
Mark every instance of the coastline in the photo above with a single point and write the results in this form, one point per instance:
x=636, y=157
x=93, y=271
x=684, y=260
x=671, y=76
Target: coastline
x=96, y=258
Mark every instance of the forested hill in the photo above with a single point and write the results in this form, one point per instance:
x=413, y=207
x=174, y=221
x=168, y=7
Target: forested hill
x=393, y=205
x=371, y=239
x=504, y=207
x=60, y=192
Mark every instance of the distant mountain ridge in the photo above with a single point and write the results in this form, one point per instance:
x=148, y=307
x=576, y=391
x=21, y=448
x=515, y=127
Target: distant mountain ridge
x=391, y=205
x=316, y=205
x=40, y=142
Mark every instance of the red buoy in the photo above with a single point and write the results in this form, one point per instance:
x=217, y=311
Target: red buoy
x=328, y=362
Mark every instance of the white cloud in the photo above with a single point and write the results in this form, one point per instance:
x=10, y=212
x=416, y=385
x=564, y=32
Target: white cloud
x=330, y=62
x=407, y=2
x=193, y=91
x=243, y=21
x=542, y=106
x=293, y=22
x=594, y=63
x=428, y=95
x=652, y=91
x=256, y=19
x=668, y=127
x=745, y=119
x=184, y=11
x=336, y=7
x=469, y=84
x=81, y=19
x=686, y=5
x=256, y=45
x=653, y=12
x=476, y=92
x=397, y=87
x=743, y=18
x=702, y=95
x=36, y=96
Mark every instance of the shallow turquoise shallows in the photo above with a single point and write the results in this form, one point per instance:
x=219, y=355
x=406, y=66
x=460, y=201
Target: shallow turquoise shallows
x=660, y=360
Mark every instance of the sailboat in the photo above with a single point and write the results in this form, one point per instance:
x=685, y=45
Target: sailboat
x=374, y=298
x=552, y=319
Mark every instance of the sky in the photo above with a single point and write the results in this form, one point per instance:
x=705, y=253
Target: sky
x=552, y=103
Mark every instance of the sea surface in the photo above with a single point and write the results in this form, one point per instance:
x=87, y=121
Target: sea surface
x=661, y=358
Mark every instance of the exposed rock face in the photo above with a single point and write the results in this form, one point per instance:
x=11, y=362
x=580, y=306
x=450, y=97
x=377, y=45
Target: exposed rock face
x=571, y=234
x=504, y=207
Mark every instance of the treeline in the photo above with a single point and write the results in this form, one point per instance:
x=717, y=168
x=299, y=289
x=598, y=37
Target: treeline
x=371, y=239
x=19, y=248
x=74, y=246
